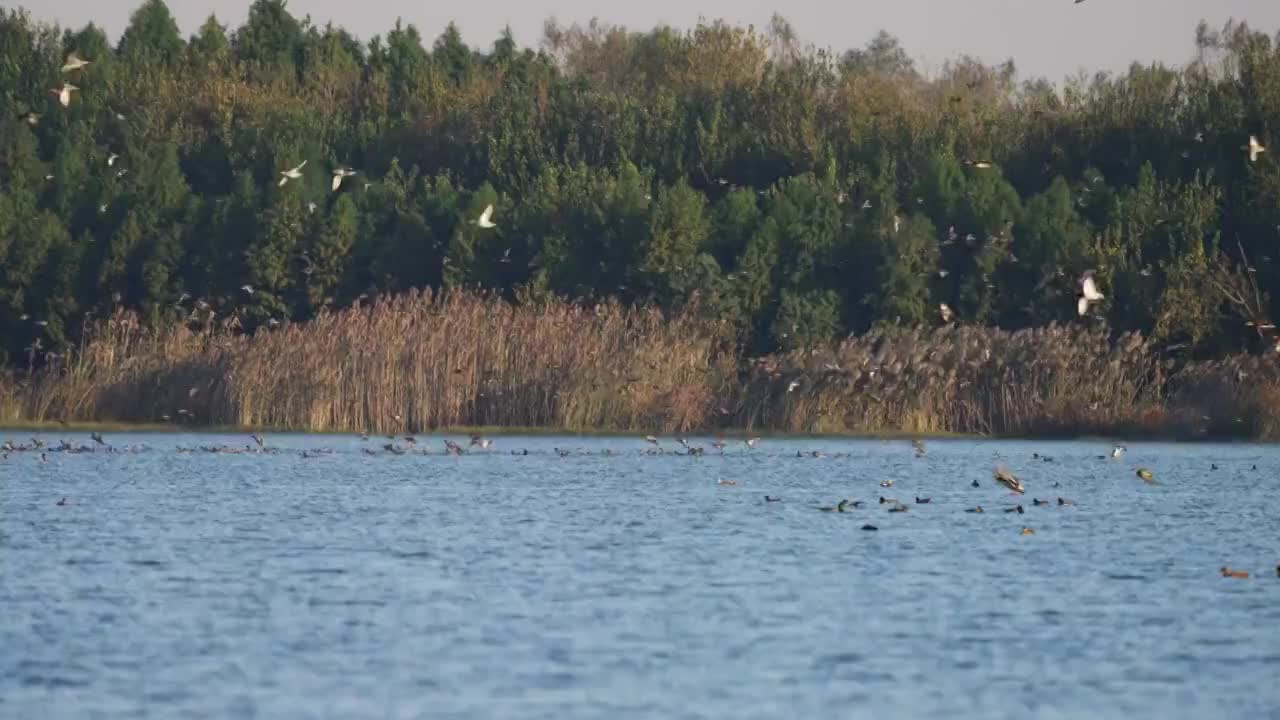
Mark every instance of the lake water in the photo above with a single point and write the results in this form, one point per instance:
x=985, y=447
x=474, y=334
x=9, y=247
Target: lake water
x=351, y=585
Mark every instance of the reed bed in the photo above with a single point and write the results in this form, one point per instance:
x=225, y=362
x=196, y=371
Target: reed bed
x=402, y=364
x=423, y=360
x=959, y=379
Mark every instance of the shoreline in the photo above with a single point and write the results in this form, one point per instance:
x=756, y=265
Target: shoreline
x=516, y=431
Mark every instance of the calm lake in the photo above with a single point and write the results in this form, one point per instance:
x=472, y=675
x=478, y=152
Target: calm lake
x=350, y=585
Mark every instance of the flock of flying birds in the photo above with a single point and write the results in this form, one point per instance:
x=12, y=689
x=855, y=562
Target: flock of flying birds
x=1088, y=288
x=63, y=92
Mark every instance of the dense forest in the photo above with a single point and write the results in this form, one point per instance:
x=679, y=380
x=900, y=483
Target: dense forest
x=799, y=195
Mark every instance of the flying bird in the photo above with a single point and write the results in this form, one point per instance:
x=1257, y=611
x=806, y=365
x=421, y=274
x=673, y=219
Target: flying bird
x=1088, y=293
x=1006, y=478
x=1254, y=147
x=339, y=174
x=485, y=220
x=247, y=288
x=30, y=118
x=291, y=174
x=74, y=62
x=945, y=310
x=793, y=385
x=111, y=159
x=63, y=93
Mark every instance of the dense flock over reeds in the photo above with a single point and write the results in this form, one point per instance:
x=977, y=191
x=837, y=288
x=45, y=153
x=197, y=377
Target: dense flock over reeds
x=420, y=361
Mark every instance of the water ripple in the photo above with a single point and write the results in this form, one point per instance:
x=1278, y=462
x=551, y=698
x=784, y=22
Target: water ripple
x=535, y=586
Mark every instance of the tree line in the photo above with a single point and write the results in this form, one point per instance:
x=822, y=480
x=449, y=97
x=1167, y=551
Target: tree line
x=798, y=194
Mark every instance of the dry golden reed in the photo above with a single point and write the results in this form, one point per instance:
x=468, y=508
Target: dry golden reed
x=423, y=360
x=408, y=363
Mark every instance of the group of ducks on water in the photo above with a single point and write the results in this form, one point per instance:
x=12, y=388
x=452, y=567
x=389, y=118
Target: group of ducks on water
x=1001, y=476
x=8, y=447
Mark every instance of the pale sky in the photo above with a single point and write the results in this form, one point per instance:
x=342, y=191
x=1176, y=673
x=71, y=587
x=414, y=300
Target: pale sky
x=1050, y=38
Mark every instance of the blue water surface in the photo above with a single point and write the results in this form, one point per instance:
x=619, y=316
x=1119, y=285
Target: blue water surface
x=634, y=585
